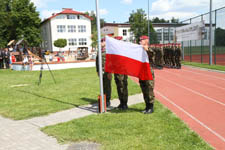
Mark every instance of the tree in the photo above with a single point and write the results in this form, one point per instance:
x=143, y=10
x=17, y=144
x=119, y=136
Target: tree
x=94, y=37
x=20, y=20
x=5, y=22
x=157, y=20
x=60, y=43
x=173, y=20
x=220, y=37
x=139, y=25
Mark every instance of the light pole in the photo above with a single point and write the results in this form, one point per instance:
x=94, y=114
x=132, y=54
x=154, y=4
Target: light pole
x=210, y=33
x=148, y=24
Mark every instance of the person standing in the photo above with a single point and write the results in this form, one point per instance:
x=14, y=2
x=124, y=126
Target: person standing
x=1, y=58
x=147, y=86
x=7, y=58
x=107, y=77
x=121, y=84
x=177, y=56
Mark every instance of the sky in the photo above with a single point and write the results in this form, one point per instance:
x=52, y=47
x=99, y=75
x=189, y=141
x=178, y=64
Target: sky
x=119, y=10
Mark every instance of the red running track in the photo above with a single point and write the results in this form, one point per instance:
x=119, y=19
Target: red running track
x=198, y=98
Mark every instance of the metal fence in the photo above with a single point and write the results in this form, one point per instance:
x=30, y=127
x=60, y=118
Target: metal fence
x=198, y=50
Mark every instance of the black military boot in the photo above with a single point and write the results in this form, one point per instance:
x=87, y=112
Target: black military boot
x=149, y=109
x=120, y=106
x=124, y=107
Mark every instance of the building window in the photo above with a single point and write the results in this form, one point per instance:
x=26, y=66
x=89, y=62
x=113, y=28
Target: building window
x=71, y=28
x=71, y=17
x=166, y=36
x=81, y=28
x=60, y=17
x=61, y=28
x=72, y=42
x=82, y=41
x=124, y=32
x=78, y=17
x=159, y=36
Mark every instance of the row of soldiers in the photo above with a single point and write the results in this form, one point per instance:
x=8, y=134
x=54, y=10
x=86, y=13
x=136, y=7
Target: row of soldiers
x=4, y=58
x=166, y=55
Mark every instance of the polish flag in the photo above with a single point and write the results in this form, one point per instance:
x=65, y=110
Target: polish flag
x=127, y=58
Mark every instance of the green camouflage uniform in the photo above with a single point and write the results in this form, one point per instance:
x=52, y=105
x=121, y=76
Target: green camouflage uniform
x=177, y=57
x=106, y=80
x=121, y=83
x=147, y=86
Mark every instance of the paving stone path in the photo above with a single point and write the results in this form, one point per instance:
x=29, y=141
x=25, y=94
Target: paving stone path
x=26, y=134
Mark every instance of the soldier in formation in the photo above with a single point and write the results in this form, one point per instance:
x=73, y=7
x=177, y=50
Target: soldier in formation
x=167, y=55
x=121, y=84
x=147, y=86
x=107, y=77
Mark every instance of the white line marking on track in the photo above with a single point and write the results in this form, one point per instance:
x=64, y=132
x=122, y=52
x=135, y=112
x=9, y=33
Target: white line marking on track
x=209, y=98
x=205, y=74
x=192, y=117
x=196, y=80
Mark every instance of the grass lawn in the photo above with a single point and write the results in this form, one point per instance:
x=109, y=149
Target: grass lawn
x=207, y=66
x=131, y=129
x=74, y=87
x=196, y=50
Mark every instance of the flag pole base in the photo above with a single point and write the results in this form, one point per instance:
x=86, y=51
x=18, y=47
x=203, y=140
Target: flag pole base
x=101, y=108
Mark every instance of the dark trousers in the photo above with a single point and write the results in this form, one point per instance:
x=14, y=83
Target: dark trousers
x=147, y=87
x=107, y=86
x=121, y=84
x=7, y=63
x=1, y=64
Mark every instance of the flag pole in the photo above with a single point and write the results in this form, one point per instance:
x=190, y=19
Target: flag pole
x=100, y=56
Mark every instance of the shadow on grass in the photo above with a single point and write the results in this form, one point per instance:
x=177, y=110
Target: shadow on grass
x=48, y=98
x=90, y=100
x=91, y=107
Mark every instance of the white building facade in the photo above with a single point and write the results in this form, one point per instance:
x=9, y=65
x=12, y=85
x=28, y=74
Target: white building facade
x=71, y=25
x=118, y=29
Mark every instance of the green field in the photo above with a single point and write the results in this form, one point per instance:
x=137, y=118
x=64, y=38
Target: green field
x=130, y=130
x=196, y=50
x=207, y=66
x=22, y=98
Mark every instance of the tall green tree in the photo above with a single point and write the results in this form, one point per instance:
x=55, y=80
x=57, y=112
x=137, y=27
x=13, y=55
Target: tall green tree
x=220, y=37
x=21, y=20
x=139, y=25
x=5, y=22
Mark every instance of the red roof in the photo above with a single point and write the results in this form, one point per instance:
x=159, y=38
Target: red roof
x=69, y=11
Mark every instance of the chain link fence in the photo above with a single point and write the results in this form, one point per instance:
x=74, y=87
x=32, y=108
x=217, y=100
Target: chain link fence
x=198, y=50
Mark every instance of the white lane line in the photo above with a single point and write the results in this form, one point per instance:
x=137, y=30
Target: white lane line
x=196, y=80
x=192, y=117
x=211, y=76
x=209, y=98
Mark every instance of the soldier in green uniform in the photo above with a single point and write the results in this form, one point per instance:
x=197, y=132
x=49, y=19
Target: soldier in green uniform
x=177, y=56
x=121, y=84
x=107, y=77
x=147, y=86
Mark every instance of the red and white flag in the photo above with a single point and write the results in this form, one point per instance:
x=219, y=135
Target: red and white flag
x=127, y=58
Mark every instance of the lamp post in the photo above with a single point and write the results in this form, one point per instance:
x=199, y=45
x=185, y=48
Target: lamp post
x=148, y=24
x=210, y=33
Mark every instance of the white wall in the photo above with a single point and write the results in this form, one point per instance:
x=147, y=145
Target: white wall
x=107, y=30
x=129, y=34
x=67, y=35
